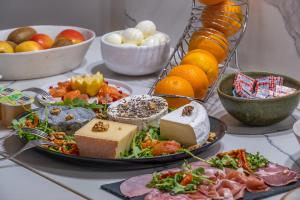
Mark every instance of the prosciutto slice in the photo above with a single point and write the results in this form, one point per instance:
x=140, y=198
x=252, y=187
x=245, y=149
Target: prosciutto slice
x=277, y=175
x=252, y=183
x=158, y=195
x=136, y=186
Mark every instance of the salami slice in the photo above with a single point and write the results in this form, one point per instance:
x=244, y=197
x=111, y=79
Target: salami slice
x=136, y=186
x=277, y=175
x=158, y=195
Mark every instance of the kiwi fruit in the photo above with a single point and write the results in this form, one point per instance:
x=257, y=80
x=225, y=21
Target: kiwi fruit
x=21, y=34
x=62, y=42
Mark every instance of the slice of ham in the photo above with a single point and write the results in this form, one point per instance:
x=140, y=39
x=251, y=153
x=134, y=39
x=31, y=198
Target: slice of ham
x=255, y=184
x=158, y=195
x=277, y=175
x=136, y=186
x=198, y=196
x=223, y=189
x=252, y=183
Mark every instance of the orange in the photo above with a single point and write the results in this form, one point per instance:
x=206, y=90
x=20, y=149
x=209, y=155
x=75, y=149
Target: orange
x=195, y=76
x=211, y=2
x=211, y=40
x=205, y=60
x=226, y=17
x=177, y=86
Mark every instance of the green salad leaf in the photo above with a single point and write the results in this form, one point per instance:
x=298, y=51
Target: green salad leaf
x=225, y=161
x=257, y=161
x=80, y=103
x=184, y=181
x=135, y=150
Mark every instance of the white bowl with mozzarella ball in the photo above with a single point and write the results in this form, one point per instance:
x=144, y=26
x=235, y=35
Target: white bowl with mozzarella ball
x=133, y=60
x=48, y=62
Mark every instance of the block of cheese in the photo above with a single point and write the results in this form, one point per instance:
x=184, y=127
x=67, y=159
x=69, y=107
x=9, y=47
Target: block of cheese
x=104, y=139
x=189, y=125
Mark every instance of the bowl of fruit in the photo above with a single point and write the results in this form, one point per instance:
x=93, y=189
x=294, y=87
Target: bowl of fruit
x=136, y=51
x=41, y=51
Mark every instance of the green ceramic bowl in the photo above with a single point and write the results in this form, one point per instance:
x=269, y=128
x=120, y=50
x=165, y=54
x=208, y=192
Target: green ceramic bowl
x=258, y=112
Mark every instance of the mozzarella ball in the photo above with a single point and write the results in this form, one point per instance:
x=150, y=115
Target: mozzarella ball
x=114, y=38
x=151, y=41
x=132, y=36
x=147, y=27
x=163, y=38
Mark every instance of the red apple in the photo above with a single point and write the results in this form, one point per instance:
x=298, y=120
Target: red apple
x=70, y=34
x=44, y=40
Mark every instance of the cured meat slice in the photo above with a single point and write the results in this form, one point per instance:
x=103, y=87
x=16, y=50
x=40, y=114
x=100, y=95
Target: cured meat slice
x=236, y=176
x=228, y=186
x=252, y=183
x=212, y=172
x=223, y=189
x=198, y=196
x=136, y=186
x=158, y=195
x=255, y=184
x=277, y=175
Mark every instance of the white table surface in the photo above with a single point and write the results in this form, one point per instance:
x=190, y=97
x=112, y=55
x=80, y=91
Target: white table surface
x=32, y=175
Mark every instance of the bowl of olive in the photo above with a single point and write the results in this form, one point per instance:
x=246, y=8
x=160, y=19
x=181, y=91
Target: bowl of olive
x=40, y=51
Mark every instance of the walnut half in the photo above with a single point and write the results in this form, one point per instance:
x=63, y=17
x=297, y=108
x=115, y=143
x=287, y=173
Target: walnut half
x=69, y=117
x=187, y=111
x=100, y=127
x=55, y=111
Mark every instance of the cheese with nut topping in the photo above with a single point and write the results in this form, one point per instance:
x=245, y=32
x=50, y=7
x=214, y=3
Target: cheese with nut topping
x=106, y=142
x=186, y=128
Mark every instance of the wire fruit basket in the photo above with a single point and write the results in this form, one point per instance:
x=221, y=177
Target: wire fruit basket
x=210, y=19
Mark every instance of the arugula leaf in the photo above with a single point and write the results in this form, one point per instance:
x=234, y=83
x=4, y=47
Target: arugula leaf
x=154, y=134
x=225, y=161
x=80, y=103
x=257, y=161
x=135, y=150
x=173, y=183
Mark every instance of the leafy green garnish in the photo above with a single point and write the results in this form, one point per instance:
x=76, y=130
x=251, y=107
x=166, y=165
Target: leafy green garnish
x=42, y=125
x=173, y=182
x=135, y=150
x=80, y=103
x=257, y=161
x=225, y=161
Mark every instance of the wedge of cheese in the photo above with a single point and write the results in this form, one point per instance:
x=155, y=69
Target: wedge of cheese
x=188, y=129
x=108, y=142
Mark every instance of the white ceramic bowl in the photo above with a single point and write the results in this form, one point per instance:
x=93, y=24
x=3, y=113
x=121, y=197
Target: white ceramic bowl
x=134, y=60
x=49, y=62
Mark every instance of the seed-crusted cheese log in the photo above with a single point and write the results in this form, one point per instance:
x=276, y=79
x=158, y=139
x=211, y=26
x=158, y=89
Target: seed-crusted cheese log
x=113, y=139
x=188, y=128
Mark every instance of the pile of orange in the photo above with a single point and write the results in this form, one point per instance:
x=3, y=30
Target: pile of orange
x=198, y=70
x=212, y=41
x=225, y=16
x=208, y=47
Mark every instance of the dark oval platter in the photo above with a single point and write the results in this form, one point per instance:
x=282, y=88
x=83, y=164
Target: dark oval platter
x=216, y=126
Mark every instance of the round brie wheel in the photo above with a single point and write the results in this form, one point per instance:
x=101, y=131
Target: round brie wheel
x=142, y=110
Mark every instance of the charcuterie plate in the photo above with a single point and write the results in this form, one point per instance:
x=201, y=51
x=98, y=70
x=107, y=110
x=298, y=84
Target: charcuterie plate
x=217, y=126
